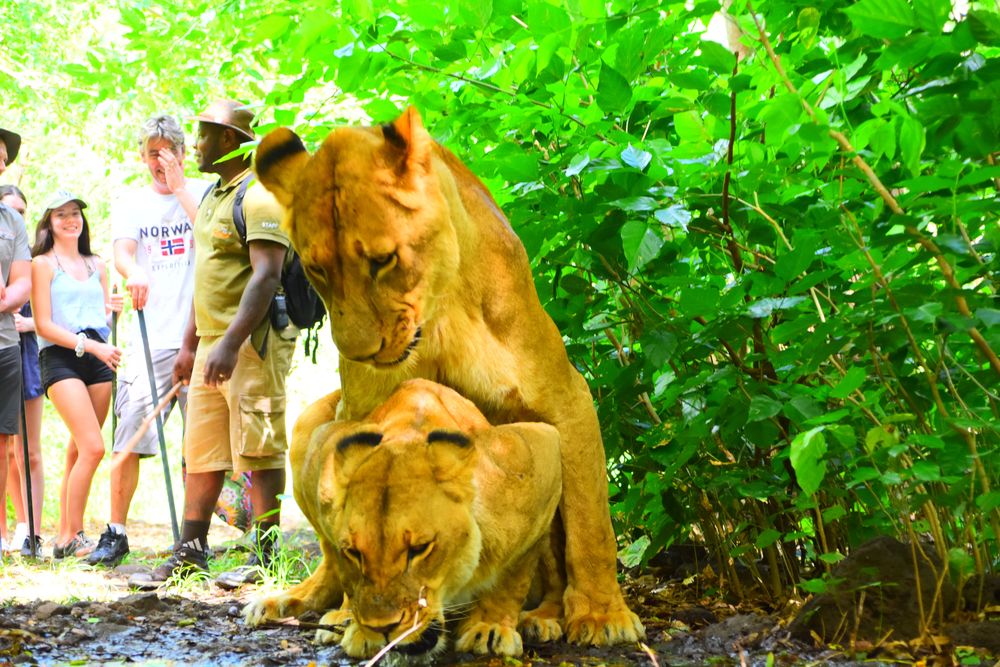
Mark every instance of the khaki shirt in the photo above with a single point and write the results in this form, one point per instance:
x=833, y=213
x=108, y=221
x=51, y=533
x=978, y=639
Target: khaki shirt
x=221, y=259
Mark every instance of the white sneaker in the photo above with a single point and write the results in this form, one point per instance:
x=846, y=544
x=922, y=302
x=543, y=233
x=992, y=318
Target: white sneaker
x=17, y=539
x=4, y=546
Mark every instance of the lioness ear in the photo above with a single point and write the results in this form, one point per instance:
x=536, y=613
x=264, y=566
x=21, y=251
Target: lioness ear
x=352, y=449
x=280, y=157
x=451, y=454
x=407, y=132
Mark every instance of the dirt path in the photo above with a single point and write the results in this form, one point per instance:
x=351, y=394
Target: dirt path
x=64, y=612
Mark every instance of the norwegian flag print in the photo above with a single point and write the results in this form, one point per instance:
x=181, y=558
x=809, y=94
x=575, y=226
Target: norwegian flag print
x=173, y=246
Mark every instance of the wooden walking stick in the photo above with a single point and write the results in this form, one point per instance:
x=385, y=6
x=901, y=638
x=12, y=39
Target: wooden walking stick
x=144, y=426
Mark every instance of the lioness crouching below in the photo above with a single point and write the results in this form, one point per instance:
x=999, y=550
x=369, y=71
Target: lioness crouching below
x=419, y=507
x=423, y=277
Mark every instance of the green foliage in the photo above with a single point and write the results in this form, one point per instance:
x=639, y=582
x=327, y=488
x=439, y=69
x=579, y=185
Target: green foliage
x=779, y=282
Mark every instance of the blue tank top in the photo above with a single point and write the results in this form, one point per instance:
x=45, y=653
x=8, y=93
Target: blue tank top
x=77, y=305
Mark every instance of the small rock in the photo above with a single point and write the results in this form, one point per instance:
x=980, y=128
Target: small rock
x=981, y=634
x=742, y=629
x=48, y=609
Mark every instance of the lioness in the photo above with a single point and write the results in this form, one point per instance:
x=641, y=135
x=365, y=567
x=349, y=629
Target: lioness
x=423, y=277
x=420, y=507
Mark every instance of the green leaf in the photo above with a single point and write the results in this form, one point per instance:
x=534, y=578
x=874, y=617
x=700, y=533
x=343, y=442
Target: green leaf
x=674, y=216
x=635, y=157
x=832, y=558
x=475, y=14
x=911, y=143
x=806, y=456
x=765, y=307
x=641, y=243
x=814, y=586
x=577, y=164
x=887, y=19
x=357, y=11
x=635, y=204
x=716, y=57
x=659, y=346
x=767, y=538
x=762, y=407
x=613, y=91
x=631, y=556
x=851, y=381
x=985, y=26
x=931, y=14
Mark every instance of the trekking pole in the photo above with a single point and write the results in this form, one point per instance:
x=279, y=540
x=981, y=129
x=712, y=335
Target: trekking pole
x=159, y=426
x=114, y=384
x=26, y=472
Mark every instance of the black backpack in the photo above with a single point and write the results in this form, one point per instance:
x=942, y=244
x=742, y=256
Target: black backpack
x=296, y=301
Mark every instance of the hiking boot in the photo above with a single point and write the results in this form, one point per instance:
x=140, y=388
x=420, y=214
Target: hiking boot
x=26, y=550
x=183, y=562
x=111, y=548
x=263, y=547
x=79, y=546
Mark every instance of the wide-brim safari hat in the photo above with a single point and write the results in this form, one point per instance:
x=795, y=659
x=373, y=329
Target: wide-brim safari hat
x=229, y=113
x=64, y=197
x=13, y=142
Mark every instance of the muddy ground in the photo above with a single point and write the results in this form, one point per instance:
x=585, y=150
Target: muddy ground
x=58, y=613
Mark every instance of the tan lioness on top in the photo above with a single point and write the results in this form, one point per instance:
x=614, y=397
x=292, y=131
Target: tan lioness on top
x=423, y=507
x=423, y=277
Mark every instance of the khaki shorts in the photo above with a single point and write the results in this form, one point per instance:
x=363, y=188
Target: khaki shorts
x=240, y=424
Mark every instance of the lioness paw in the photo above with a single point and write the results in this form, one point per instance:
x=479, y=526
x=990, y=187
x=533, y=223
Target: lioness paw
x=337, y=621
x=618, y=627
x=540, y=625
x=271, y=607
x=486, y=638
x=357, y=643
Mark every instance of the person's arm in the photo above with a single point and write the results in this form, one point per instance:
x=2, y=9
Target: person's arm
x=18, y=288
x=136, y=280
x=185, y=356
x=112, y=300
x=41, y=307
x=266, y=260
x=173, y=171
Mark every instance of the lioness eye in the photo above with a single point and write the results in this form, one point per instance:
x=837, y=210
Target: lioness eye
x=417, y=550
x=379, y=263
x=353, y=555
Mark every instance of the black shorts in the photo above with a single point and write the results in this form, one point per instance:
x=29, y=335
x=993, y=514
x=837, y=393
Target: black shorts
x=10, y=397
x=61, y=363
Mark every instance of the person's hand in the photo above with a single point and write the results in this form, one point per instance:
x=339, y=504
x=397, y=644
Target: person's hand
x=3, y=298
x=173, y=170
x=138, y=288
x=220, y=363
x=109, y=354
x=182, y=366
x=23, y=324
x=116, y=302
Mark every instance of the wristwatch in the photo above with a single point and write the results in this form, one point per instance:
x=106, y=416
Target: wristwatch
x=81, y=339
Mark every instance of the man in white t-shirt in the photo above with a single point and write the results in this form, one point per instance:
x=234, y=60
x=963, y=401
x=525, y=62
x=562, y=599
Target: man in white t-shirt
x=154, y=251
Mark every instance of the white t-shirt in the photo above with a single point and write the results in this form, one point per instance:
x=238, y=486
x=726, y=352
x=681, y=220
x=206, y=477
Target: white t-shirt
x=165, y=238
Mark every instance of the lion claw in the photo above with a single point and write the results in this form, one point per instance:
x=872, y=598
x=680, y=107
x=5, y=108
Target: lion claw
x=539, y=625
x=620, y=627
x=487, y=638
x=269, y=608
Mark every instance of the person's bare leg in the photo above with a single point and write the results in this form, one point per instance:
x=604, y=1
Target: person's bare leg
x=83, y=410
x=201, y=490
x=4, y=443
x=267, y=486
x=124, y=481
x=63, y=532
x=33, y=417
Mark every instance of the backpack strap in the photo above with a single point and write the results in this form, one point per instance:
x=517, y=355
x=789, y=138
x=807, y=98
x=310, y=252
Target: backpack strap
x=239, y=218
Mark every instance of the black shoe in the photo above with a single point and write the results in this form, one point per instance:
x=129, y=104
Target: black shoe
x=111, y=548
x=263, y=547
x=183, y=562
x=79, y=546
x=26, y=551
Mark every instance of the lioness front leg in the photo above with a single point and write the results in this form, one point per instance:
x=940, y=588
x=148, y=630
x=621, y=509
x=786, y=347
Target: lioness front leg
x=318, y=592
x=491, y=627
x=594, y=607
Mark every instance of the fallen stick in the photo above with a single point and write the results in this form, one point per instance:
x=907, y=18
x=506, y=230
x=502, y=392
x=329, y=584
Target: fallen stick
x=144, y=426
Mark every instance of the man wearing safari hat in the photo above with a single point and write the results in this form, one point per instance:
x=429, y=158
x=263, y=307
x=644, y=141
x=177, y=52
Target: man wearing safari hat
x=15, y=287
x=235, y=364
